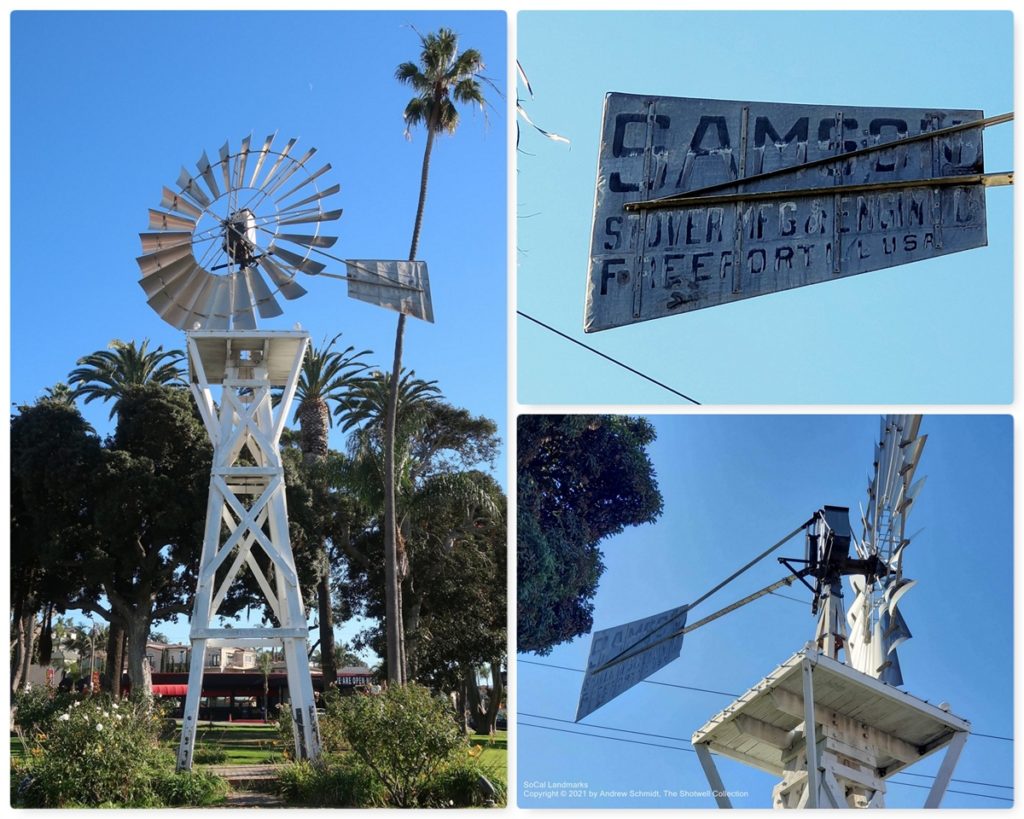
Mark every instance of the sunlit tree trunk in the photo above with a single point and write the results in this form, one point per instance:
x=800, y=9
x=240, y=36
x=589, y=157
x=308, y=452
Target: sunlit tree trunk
x=393, y=609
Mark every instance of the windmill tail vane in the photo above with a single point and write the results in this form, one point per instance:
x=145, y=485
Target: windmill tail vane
x=869, y=632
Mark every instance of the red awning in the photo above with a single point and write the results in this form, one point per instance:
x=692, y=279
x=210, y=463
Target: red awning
x=170, y=690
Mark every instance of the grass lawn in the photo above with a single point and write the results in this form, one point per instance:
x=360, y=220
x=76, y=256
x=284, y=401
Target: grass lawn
x=494, y=756
x=234, y=744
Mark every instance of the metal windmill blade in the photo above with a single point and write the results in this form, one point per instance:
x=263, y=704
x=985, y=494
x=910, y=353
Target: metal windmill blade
x=222, y=247
x=877, y=626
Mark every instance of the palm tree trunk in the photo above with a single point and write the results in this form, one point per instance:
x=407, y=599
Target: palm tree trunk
x=328, y=663
x=393, y=608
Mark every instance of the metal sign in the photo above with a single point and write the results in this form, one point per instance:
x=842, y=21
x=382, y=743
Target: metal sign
x=399, y=286
x=703, y=202
x=644, y=648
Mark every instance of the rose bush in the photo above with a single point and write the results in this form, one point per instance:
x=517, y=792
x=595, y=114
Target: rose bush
x=92, y=752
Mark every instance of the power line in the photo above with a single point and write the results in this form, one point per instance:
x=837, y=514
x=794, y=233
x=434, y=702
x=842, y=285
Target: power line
x=990, y=736
x=648, y=682
x=964, y=793
x=608, y=357
x=964, y=781
x=602, y=736
x=706, y=690
x=690, y=750
x=602, y=727
x=683, y=739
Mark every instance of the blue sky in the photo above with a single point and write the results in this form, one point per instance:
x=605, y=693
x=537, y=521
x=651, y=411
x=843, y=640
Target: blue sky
x=733, y=485
x=937, y=331
x=107, y=107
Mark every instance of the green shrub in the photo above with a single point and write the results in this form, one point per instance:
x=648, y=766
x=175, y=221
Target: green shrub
x=294, y=782
x=404, y=735
x=343, y=782
x=464, y=784
x=35, y=706
x=189, y=788
x=332, y=733
x=93, y=752
x=209, y=755
x=90, y=752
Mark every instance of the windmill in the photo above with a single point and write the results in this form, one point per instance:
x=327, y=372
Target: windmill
x=233, y=237
x=864, y=728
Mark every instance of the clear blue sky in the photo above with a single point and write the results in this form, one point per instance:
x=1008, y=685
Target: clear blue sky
x=107, y=107
x=734, y=485
x=938, y=331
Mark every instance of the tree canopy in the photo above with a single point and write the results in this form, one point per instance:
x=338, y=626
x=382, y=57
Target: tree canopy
x=581, y=479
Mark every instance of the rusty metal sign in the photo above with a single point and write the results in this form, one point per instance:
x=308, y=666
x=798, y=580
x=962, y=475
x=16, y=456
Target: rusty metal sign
x=631, y=652
x=704, y=202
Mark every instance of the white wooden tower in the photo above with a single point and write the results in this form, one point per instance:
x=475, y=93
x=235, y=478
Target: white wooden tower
x=247, y=512
x=832, y=734
x=220, y=250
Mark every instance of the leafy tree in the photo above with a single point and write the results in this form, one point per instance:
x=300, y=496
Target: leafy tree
x=54, y=454
x=150, y=501
x=108, y=374
x=451, y=535
x=581, y=479
x=442, y=78
x=326, y=376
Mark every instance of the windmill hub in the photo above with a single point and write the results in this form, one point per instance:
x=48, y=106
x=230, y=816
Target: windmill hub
x=240, y=237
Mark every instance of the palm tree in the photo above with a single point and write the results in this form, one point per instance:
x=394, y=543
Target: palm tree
x=366, y=408
x=326, y=376
x=109, y=374
x=442, y=78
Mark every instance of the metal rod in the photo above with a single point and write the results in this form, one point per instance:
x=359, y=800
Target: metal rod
x=623, y=655
x=750, y=598
x=986, y=179
x=760, y=557
x=825, y=160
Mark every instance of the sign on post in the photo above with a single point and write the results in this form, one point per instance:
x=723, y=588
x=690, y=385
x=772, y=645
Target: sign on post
x=644, y=648
x=704, y=202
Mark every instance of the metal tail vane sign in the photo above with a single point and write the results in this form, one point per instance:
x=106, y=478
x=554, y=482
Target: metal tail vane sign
x=625, y=655
x=704, y=202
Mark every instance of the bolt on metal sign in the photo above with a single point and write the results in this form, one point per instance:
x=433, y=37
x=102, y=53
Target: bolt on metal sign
x=704, y=202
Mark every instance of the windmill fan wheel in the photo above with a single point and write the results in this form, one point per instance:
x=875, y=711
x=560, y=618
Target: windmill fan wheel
x=235, y=234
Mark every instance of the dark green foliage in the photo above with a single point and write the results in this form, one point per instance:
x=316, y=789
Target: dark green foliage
x=106, y=374
x=405, y=735
x=194, y=789
x=460, y=784
x=93, y=752
x=581, y=479
x=54, y=455
x=339, y=782
x=209, y=755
